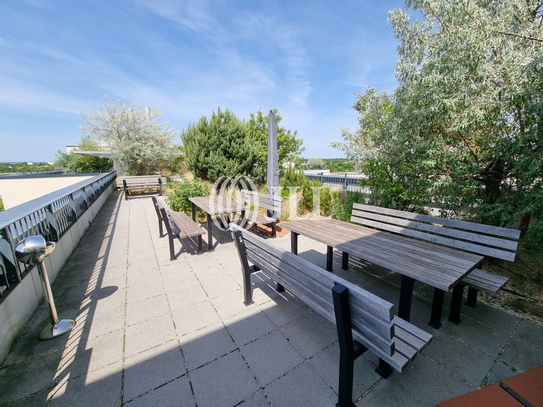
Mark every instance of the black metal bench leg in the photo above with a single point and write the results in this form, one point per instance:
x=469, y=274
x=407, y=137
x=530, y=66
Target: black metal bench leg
x=294, y=243
x=199, y=243
x=349, y=350
x=345, y=261
x=437, y=307
x=329, y=258
x=209, y=233
x=456, y=304
x=274, y=229
x=279, y=288
x=172, y=247
x=406, y=297
x=247, y=288
x=472, y=297
x=384, y=370
x=255, y=229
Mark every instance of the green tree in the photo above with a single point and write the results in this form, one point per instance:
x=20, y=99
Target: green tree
x=134, y=135
x=289, y=146
x=464, y=126
x=315, y=163
x=220, y=146
x=77, y=163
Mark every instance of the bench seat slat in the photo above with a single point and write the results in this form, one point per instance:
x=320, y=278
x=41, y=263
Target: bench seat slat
x=187, y=226
x=484, y=281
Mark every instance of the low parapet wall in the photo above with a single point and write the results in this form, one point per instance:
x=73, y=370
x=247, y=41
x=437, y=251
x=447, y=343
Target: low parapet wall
x=62, y=217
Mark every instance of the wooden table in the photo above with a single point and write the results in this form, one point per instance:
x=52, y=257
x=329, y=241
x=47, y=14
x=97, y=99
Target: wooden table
x=438, y=266
x=215, y=205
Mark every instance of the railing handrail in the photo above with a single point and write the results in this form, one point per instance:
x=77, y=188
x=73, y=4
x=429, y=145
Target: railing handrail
x=11, y=215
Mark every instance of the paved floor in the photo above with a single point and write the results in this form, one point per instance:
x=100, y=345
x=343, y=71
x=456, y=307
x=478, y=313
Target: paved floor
x=151, y=331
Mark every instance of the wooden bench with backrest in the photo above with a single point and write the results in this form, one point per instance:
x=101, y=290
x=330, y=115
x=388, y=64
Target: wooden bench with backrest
x=178, y=225
x=485, y=240
x=143, y=183
x=253, y=200
x=363, y=320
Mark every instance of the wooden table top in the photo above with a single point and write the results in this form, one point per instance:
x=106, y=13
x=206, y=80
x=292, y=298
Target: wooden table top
x=438, y=266
x=216, y=205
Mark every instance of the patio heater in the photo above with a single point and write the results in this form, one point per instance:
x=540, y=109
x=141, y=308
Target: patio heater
x=33, y=250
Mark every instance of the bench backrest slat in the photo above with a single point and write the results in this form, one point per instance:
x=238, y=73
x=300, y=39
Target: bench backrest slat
x=447, y=232
x=270, y=202
x=371, y=316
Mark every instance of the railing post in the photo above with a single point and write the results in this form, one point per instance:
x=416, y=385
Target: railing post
x=345, y=183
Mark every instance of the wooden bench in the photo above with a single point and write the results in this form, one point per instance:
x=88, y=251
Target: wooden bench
x=178, y=225
x=490, y=241
x=256, y=200
x=363, y=320
x=142, y=183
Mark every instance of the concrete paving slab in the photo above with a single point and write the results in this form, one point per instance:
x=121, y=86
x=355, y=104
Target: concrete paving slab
x=433, y=382
x=148, y=334
x=99, y=388
x=195, y=317
x=308, y=335
x=248, y=326
x=206, y=345
x=326, y=364
x=176, y=393
x=482, y=337
x=257, y=400
x=284, y=309
x=150, y=369
x=522, y=356
x=270, y=357
x=301, y=387
x=458, y=357
x=219, y=373
x=146, y=309
x=387, y=393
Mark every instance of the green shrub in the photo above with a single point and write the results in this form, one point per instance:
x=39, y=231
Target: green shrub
x=342, y=205
x=178, y=199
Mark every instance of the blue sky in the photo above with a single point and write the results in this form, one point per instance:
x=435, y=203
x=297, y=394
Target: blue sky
x=305, y=58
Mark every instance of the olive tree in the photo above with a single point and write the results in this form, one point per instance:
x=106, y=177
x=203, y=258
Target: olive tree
x=134, y=135
x=464, y=126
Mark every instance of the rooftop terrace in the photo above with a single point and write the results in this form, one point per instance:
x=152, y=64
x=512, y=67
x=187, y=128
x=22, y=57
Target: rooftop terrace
x=151, y=331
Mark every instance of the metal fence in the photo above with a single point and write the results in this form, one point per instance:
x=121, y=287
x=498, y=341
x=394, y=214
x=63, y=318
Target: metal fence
x=340, y=180
x=50, y=216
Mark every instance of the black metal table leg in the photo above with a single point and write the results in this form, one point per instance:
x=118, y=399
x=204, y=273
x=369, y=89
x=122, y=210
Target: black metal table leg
x=329, y=258
x=294, y=243
x=406, y=297
x=456, y=304
x=437, y=306
x=193, y=210
x=209, y=233
x=345, y=261
x=472, y=297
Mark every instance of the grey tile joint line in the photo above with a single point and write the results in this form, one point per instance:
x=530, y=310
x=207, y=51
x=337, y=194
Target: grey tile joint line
x=501, y=353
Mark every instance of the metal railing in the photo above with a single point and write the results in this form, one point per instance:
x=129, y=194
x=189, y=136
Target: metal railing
x=50, y=216
x=345, y=181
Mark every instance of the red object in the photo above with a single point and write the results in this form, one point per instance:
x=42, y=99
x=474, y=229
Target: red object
x=492, y=395
x=528, y=385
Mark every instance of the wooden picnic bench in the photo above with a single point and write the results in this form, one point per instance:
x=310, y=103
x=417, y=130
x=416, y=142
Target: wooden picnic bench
x=363, y=320
x=142, y=183
x=178, y=225
x=485, y=240
x=253, y=201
